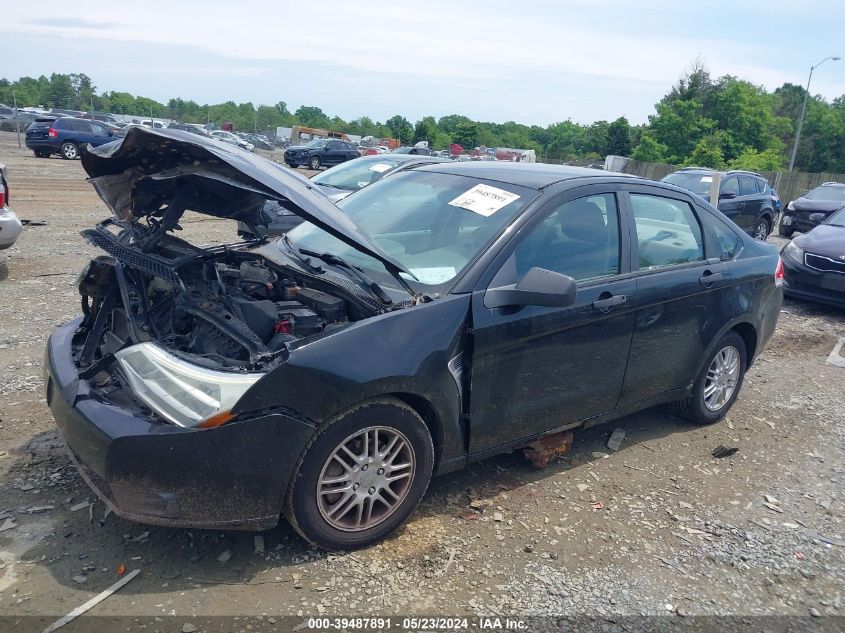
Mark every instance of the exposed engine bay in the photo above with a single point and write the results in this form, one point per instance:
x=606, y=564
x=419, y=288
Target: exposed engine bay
x=221, y=307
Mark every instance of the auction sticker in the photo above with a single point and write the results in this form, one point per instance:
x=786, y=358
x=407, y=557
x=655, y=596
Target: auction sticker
x=380, y=167
x=484, y=200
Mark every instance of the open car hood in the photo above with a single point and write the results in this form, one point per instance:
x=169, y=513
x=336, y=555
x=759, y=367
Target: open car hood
x=146, y=170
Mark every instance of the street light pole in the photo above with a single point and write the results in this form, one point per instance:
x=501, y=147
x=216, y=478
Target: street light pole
x=804, y=109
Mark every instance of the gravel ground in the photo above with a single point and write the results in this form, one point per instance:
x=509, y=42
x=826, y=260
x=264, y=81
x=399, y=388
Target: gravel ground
x=659, y=528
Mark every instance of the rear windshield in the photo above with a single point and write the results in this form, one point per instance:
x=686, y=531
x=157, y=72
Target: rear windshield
x=827, y=193
x=697, y=183
x=40, y=124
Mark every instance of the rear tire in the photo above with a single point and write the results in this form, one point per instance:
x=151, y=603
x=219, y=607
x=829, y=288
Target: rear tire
x=762, y=230
x=41, y=154
x=314, y=163
x=368, y=505
x=69, y=151
x=704, y=405
x=785, y=231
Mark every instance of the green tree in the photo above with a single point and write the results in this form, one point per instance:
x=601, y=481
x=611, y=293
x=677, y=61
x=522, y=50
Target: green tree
x=707, y=153
x=619, y=138
x=649, y=150
x=400, y=128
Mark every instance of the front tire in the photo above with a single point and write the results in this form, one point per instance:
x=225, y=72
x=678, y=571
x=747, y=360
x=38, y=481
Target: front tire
x=761, y=230
x=69, y=151
x=785, y=231
x=314, y=163
x=362, y=476
x=718, y=385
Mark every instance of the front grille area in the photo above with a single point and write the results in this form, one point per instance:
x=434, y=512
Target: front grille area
x=824, y=264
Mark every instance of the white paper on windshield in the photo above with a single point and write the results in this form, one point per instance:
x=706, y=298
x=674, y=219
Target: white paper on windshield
x=707, y=179
x=434, y=275
x=380, y=167
x=484, y=200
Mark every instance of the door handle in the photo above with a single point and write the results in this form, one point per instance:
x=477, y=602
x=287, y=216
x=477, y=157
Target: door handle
x=604, y=304
x=708, y=278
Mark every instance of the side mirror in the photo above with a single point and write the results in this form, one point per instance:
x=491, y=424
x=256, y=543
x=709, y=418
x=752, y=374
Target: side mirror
x=538, y=287
x=727, y=195
x=326, y=148
x=817, y=218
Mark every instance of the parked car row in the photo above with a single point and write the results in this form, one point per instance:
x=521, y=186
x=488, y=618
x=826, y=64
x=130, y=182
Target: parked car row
x=424, y=322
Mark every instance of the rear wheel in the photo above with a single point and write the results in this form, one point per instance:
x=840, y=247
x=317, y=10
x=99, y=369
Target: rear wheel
x=41, y=154
x=314, y=163
x=69, y=151
x=362, y=476
x=718, y=386
x=761, y=229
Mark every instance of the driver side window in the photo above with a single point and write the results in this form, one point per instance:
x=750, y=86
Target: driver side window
x=579, y=238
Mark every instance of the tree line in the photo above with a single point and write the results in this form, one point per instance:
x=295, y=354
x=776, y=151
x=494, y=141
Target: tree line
x=722, y=123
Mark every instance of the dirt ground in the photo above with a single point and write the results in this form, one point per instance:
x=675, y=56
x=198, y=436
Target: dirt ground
x=659, y=528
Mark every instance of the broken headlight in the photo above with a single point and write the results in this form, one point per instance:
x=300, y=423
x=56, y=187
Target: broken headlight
x=181, y=392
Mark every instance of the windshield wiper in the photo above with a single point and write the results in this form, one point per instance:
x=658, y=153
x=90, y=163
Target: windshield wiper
x=295, y=252
x=334, y=260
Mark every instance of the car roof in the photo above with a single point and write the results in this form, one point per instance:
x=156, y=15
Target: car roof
x=534, y=175
x=830, y=184
x=708, y=170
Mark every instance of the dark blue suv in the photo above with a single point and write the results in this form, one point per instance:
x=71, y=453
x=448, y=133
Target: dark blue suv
x=65, y=136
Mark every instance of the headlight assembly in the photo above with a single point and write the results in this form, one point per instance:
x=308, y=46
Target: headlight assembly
x=795, y=252
x=791, y=206
x=181, y=392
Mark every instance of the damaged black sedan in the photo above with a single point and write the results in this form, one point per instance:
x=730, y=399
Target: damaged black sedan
x=449, y=312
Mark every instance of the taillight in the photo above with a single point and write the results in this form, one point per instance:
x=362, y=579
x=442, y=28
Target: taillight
x=52, y=133
x=779, y=273
x=2, y=196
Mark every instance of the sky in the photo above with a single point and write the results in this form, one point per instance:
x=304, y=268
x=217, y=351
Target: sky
x=531, y=61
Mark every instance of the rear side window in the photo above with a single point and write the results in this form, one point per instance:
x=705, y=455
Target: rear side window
x=668, y=233
x=62, y=124
x=80, y=126
x=724, y=240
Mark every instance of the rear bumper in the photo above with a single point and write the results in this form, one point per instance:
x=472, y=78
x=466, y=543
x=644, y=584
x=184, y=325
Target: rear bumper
x=43, y=145
x=10, y=227
x=233, y=477
x=801, y=282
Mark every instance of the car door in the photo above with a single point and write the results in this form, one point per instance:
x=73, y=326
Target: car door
x=533, y=368
x=730, y=202
x=100, y=134
x=752, y=201
x=679, y=292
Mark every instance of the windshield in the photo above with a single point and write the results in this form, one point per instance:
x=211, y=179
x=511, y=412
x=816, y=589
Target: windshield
x=697, y=183
x=827, y=193
x=434, y=224
x=317, y=142
x=837, y=219
x=355, y=174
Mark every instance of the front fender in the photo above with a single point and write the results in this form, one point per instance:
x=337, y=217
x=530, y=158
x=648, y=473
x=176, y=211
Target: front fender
x=404, y=352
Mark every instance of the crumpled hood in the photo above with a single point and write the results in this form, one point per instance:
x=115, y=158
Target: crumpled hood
x=139, y=174
x=817, y=206
x=297, y=148
x=825, y=240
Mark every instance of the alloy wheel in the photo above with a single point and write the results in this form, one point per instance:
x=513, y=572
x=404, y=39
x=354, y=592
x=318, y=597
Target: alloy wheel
x=69, y=151
x=761, y=231
x=366, y=478
x=315, y=163
x=722, y=378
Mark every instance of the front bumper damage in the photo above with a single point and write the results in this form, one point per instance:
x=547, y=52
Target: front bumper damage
x=231, y=477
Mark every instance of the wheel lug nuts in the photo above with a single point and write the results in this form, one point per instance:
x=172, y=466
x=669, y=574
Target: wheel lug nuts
x=364, y=467
x=380, y=471
x=355, y=486
x=372, y=490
